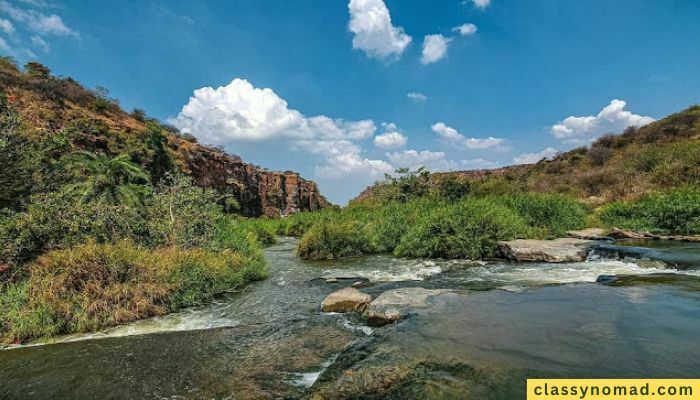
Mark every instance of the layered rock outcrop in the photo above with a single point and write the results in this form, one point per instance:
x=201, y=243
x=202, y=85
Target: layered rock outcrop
x=259, y=192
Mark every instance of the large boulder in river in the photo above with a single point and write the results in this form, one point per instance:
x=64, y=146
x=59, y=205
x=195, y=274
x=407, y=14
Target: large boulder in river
x=346, y=300
x=554, y=251
x=392, y=305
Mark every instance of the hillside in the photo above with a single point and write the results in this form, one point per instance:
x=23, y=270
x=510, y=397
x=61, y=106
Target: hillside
x=660, y=156
x=52, y=108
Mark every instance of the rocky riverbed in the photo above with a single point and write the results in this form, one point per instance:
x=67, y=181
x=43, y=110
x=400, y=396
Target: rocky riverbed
x=459, y=329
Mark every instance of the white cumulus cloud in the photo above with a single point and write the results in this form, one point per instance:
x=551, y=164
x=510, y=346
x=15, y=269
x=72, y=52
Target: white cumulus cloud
x=417, y=96
x=452, y=136
x=613, y=118
x=435, y=161
x=465, y=29
x=370, y=22
x=434, y=48
x=432, y=160
x=390, y=140
x=241, y=112
x=529, y=158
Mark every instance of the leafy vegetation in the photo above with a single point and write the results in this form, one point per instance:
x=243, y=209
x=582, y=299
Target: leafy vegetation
x=675, y=212
x=98, y=224
x=430, y=224
x=94, y=285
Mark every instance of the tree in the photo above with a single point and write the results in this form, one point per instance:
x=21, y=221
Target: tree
x=37, y=70
x=105, y=179
x=139, y=114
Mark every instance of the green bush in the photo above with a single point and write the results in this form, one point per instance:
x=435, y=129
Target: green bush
x=329, y=240
x=553, y=214
x=97, y=285
x=468, y=229
x=676, y=212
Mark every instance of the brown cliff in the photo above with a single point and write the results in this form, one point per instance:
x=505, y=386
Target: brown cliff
x=51, y=107
x=258, y=191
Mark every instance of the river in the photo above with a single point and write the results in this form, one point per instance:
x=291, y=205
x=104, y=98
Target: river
x=499, y=324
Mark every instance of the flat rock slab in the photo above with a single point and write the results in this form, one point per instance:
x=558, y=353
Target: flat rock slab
x=392, y=305
x=589, y=234
x=346, y=300
x=625, y=234
x=554, y=251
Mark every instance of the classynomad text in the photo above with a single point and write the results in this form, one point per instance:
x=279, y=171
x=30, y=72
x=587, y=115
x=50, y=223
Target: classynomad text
x=613, y=389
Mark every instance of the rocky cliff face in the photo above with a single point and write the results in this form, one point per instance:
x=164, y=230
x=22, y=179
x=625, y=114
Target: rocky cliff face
x=49, y=106
x=259, y=192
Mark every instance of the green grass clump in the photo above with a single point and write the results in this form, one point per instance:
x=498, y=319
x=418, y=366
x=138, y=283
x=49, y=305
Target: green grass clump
x=675, y=212
x=435, y=226
x=97, y=285
x=328, y=240
x=553, y=214
x=470, y=228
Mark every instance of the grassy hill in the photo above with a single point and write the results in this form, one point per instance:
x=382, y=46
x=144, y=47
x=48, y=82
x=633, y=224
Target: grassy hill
x=658, y=157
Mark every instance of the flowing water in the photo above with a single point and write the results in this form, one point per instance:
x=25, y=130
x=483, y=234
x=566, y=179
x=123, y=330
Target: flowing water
x=499, y=324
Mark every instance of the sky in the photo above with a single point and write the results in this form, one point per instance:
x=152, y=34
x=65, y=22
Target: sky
x=344, y=91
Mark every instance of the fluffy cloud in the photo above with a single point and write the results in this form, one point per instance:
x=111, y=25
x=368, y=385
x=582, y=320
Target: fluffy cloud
x=435, y=161
x=481, y=3
x=370, y=22
x=452, y=136
x=416, y=96
x=390, y=140
x=434, y=48
x=432, y=160
x=529, y=158
x=465, y=29
x=612, y=118
x=6, y=26
x=240, y=112
x=38, y=22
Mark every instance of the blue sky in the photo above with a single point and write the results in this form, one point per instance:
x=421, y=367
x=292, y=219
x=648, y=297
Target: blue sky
x=321, y=87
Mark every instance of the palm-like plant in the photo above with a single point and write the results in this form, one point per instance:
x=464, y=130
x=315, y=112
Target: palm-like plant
x=105, y=179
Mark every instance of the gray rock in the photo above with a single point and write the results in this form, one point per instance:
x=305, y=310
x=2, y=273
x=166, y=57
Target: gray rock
x=392, y=305
x=589, y=234
x=346, y=300
x=554, y=251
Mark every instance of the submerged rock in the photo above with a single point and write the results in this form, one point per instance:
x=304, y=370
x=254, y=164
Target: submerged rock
x=554, y=251
x=346, y=300
x=589, y=234
x=392, y=305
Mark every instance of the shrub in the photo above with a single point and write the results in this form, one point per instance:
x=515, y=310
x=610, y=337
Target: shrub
x=553, y=214
x=139, y=114
x=96, y=285
x=599, y=154
x=329, y=240
x=468, y=229
x=676, y=212
x=37, y=70
x=179, y=214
